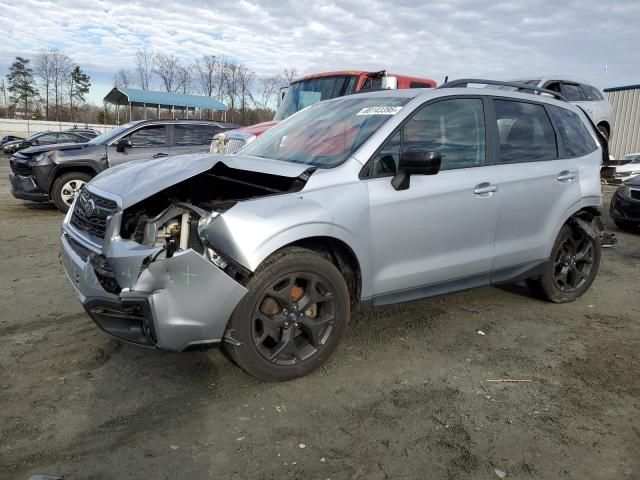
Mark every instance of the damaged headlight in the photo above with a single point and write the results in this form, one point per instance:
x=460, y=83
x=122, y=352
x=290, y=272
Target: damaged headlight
x=218, y=143
x=624, y=190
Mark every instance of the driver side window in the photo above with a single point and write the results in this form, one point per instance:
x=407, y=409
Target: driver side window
x=455, y=128
x=151, y=136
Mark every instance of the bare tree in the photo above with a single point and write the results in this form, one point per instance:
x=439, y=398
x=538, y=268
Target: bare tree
x=167, y=68
x=230, y=79
x=270, y=87
x=289, y=75
x=185, y=78
x=205, y=70
x=246, y=77
x=144, y=68
x=122, y=78
x=221, y=73
x=60, y=71
x=44, y=72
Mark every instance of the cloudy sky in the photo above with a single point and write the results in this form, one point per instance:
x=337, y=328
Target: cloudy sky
x=458, y=38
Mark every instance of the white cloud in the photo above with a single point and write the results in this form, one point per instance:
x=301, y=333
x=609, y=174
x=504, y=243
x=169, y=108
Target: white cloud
x=459, y=38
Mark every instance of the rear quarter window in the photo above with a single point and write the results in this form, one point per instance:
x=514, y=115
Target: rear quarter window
x=592, y=94
x=575, y=136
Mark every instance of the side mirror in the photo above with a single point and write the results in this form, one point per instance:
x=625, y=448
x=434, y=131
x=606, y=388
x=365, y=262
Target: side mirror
x=416, y=161
x=389, y=83
x=122, y=144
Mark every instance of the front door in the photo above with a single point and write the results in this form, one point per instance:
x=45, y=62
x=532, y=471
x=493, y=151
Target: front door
x=150, y=141
x=438, y=233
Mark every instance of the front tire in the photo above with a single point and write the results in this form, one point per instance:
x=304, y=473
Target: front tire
x=66, y=187
x=293, y=317
x=571, y=268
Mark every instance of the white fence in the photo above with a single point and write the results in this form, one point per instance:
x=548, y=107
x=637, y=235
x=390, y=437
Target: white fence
x=22, y=127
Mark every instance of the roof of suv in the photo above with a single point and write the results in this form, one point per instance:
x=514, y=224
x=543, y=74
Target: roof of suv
x=153, y=121
x=469, y=91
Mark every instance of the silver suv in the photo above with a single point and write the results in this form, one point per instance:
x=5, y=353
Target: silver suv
x=372, y=199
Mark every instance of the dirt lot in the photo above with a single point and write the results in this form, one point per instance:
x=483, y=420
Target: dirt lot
x=406, y=396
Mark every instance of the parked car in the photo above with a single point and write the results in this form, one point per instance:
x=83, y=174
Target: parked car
x=375, y=198
x=85, y=132
x=58, y=173
x=629, y=168
x=313, y=88
x=9, y=138
x=43, y=138
x=625, y=204
x=580, y=93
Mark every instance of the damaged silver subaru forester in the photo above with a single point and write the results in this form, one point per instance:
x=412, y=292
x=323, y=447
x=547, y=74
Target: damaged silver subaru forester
x=374, y=198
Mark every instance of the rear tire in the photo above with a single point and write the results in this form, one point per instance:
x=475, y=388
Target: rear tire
x=571, y=268
x=293, y=317
x=65, y=187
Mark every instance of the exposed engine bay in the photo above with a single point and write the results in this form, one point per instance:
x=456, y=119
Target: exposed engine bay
x=175, y=219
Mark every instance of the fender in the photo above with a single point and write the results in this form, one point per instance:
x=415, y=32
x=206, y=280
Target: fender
x=251, y=231
x=59, y=168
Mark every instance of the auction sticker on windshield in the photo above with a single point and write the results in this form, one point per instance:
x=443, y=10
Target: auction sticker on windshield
x=379, y=111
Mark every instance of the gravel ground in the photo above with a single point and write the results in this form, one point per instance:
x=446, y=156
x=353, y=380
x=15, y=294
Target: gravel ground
x=406, y=396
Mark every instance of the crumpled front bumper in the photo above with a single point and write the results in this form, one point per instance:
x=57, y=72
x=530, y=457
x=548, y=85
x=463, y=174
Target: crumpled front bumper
x=170, y=304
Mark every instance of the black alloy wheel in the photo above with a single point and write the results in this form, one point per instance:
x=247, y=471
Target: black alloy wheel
x=571, y=268
x=292, y=318
x=573, y=261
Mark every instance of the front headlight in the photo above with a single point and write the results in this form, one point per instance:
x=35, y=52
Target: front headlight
x=44, y=157
x=624, y=190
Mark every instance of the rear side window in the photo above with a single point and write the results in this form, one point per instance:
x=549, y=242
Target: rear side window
x=575, y=136
x=591, y=94
x=572, y=92
x=525, y=131
x=185, y=135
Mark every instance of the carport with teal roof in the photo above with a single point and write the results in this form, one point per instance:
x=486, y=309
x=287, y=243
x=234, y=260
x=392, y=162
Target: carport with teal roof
x=133, y=97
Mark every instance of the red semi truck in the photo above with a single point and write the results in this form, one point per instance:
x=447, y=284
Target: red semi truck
x=311, y=89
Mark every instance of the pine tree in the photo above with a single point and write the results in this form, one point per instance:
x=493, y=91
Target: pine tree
x=20, y=81
x=79, y=84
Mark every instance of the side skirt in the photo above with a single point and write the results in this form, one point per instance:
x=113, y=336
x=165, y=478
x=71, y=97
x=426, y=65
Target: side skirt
x=505, y=275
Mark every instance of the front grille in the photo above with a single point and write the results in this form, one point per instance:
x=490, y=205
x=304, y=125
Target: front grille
x=20, y=168
x=233, y=145
x=635, y=194
x=91, y=212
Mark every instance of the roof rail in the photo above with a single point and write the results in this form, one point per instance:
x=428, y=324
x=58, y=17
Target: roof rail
x=464, y=82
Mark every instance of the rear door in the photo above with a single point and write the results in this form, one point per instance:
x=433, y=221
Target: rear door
x=192, y=138
x=537, y=184
x=149, y=141
x=439, y=233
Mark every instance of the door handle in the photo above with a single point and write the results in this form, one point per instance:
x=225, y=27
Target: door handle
x=484, y=188
x=566, y=176
x=159, y=155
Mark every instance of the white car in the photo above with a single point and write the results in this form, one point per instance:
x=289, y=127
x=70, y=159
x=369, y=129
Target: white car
x=579, y=93
x=629, y=169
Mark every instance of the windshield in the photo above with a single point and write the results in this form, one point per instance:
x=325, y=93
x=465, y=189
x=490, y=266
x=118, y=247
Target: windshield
x=328, y=133
x=110, y=134
x=34, y=135
x=303, y=93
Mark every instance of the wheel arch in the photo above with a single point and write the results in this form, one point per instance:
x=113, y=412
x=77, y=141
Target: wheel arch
x=586, y=213
x=341, y=255
x=75, y=167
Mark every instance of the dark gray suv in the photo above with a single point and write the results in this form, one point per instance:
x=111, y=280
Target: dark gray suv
x=58, y=172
